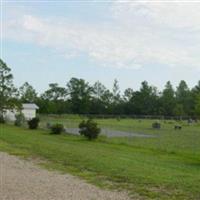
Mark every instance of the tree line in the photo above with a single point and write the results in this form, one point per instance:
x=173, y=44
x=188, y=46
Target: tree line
x=80, y=97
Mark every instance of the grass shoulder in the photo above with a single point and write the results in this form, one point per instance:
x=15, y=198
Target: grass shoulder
x=141, y=169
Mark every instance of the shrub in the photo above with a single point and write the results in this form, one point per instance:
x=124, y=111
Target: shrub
x=19, y=119
x=33, y=123
x=2, y=120
x=156, y=125
x=177, y=127
x=89, y=129
x=57, y=129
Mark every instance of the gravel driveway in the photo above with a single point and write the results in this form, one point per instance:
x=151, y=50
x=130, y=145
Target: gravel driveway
x=111, y=133
x=23, y=180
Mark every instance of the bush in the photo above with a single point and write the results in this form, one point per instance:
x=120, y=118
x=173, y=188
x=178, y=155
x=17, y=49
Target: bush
x=177, y=127
x=57, y=129
x=156, y=125
x=33, y=123
x=2, y=120
x=89, y=129
x=19, y=119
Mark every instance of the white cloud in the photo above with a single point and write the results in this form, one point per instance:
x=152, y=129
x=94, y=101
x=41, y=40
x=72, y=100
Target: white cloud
x=169, y=32
x=172, y=13
x=140, y=34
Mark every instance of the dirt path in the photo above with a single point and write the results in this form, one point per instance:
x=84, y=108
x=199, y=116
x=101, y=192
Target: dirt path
x=23, y=180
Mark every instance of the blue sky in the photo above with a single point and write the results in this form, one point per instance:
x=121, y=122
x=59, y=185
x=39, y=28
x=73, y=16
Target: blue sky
x=46, y=41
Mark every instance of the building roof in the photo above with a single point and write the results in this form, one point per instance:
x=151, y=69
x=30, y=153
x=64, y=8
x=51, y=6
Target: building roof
x=29, y=106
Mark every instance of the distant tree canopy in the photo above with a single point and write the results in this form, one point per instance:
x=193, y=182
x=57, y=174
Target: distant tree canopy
x=80, y=97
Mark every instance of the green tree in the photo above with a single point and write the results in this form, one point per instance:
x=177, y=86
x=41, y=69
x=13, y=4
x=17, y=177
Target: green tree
x=196, y=98
x=116, y=92
x=55, y=92
x=146, y=101
x=80, y=92
x=197, y=105
x=168, y=100
x=128, y=94
x=98, y=90
x=27, y=93
x=107, y=101
x=128, y=105
x=117, y=105
x=184, y=97
x=7, y=90
x=179, y=110
x=54, y=100
x=98, y=106
x=182, y=91
x=196, y=89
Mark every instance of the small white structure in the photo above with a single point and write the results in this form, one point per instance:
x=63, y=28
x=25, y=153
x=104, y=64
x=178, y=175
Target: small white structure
x=28, y=109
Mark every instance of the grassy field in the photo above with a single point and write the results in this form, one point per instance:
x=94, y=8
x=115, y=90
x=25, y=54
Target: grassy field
x=164, y=167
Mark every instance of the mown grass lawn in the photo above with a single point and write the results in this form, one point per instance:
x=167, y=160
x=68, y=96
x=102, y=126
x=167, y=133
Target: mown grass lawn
x=164, y=167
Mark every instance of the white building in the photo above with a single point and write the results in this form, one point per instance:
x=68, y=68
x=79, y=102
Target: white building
x=28, y=109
